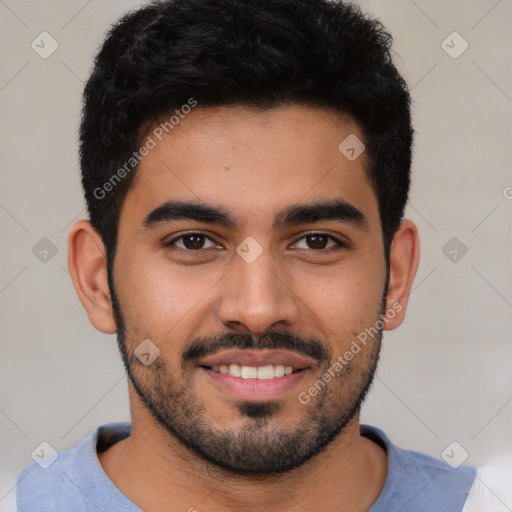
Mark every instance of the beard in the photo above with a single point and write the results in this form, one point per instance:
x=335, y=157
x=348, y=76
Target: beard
x=261, y=444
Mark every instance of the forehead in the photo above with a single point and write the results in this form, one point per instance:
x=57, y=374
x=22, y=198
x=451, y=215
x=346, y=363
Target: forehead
x=253, y=162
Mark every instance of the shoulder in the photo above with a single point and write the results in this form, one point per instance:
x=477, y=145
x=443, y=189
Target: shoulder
x=43, y=485
x=419, y=482
x=66, y=480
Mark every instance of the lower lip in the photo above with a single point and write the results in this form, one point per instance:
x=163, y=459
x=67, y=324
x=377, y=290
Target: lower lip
x=255, y=389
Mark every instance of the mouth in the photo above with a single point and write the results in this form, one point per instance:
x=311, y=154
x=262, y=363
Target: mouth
x=269, y=371
x=255, y=375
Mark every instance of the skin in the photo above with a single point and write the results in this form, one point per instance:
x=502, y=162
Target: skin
x=254, y=164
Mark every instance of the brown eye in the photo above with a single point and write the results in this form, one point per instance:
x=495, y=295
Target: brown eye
x=319, y=242
x=191, y=242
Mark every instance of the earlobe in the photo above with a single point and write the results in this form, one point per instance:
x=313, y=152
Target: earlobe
x=404, y=260
x=87, y=264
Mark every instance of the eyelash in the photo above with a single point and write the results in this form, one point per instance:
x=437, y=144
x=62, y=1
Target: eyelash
x=341, y=245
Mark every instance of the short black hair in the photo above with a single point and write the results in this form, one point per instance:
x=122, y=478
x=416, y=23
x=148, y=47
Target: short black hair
x=259, y=53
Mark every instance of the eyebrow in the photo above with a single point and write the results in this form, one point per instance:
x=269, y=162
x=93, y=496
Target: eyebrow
x=336, y=209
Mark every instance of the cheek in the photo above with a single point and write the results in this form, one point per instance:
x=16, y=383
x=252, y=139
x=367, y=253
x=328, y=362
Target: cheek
x=346, y=302
x=157, y=301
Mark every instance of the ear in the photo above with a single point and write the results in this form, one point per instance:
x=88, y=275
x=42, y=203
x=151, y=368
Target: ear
x=404, y=259
x=87, y=263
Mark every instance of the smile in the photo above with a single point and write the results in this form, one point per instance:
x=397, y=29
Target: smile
x=269, y=371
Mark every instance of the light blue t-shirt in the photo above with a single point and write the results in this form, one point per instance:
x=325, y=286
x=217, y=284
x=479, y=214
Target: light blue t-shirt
x=76, y=482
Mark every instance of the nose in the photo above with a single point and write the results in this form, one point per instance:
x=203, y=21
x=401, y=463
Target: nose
x=255, y=296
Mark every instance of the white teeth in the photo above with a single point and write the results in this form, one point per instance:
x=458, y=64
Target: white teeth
x=279, y=370
x=249, y=372
x=268, y=371
x=234, y=369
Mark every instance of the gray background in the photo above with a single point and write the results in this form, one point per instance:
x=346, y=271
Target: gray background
x=445, y=374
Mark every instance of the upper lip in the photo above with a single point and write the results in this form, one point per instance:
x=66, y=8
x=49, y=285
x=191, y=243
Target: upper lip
x=257, y=358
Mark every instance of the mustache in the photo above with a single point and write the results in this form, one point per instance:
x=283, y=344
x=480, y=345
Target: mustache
x=285, y=340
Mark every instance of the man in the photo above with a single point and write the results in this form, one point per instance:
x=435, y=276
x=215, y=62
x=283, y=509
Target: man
x=246, y=167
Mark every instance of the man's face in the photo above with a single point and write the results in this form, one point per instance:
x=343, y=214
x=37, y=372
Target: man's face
x=260, y=293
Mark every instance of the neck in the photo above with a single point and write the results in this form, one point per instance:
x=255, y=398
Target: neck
x=157, y=473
